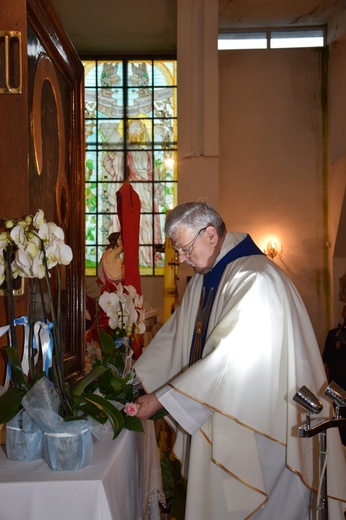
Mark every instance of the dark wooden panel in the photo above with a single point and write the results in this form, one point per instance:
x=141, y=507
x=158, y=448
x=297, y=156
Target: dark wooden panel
x=42, y=151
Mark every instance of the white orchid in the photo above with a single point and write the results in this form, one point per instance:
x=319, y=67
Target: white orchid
x=65, y=253
x=39, y=219
x=3, y=240
x=33, y=247
x=38, y=268
x=2, y=271
x=49, y=232
x=18, y=236
x=109, y=302
x=37, y=244
x=124, y=308
x=52, y=255
x=114, y=322
x=22, y=264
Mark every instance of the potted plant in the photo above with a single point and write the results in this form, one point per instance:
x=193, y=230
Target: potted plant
x=35, y=249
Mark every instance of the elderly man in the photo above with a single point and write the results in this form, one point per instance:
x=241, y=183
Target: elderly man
x=226, y=366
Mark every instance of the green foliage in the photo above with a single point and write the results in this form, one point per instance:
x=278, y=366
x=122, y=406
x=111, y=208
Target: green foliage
x=10, y=403
x=133, y=423
x=114, y=416
x=83, y=403
x=106, y=387
x=13, y=356
x=174, y=485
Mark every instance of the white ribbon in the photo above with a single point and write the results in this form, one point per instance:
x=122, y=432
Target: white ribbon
x=64, y=434
x=43, y=338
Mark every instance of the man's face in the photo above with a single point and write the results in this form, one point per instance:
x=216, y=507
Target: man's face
x=198, y=249
x=134, y=133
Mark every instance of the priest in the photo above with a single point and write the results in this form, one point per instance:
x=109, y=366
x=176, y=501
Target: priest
x=226, y=366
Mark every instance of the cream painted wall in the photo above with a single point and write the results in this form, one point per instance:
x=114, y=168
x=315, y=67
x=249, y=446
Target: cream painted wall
x=337, y=171
x=271, y=162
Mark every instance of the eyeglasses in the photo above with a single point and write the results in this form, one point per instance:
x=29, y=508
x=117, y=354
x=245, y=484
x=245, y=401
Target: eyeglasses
x=187, y=250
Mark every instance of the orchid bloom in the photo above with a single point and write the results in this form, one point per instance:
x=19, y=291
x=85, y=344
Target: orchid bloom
x=124, y=308
x=18, y=236
x=52, y=255
x=39, y=219
x=65, y=253
x=109, y=302
x=28, y=260
x=2, y=271
x=22, y=264
x=3, y=240
x=38, y=268
x=131, y=291
x=33, y=247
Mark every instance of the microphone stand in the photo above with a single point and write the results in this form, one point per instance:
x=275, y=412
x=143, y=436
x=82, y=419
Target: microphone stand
x=310, y=429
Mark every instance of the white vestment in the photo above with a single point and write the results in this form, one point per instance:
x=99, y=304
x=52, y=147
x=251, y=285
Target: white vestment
x=246, y=458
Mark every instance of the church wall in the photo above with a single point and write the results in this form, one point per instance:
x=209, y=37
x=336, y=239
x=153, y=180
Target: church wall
x=271, y=162
x=337, y=172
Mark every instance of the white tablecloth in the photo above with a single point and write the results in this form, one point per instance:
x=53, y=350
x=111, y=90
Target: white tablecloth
x=122, y=483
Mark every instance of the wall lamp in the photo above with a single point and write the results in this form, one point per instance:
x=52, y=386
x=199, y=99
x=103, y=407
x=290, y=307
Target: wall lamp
x=338, y=395
x=272, y=249
x=309, y=402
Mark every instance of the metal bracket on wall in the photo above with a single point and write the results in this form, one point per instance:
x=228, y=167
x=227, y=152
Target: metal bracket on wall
x=10, y=62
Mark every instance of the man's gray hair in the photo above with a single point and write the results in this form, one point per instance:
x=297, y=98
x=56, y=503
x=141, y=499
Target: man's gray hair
x=195, y=215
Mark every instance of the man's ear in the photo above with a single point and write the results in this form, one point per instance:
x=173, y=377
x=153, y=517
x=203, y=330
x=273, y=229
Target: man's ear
x=212, y=235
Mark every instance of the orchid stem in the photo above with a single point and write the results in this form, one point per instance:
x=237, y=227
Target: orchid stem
x=31, y=325
x=58, y=362
x=10, y=297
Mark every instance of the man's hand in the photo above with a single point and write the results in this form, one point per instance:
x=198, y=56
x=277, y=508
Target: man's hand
x=149, y=404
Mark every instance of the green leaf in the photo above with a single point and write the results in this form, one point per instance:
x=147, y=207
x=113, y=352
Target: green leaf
x=89, y=378
x=88, y=410
x=133, y=423
x=107, y=342
x=116, y=384
x=13, y=356
x=10, y=403
x=115, y=417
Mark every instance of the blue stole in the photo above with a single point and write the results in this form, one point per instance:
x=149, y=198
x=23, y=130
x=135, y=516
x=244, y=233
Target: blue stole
x=211, y=280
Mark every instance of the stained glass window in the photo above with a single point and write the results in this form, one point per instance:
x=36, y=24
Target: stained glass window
x=131, y=134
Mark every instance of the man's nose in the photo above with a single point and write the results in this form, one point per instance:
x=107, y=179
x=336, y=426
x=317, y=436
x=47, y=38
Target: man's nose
x=182, y=257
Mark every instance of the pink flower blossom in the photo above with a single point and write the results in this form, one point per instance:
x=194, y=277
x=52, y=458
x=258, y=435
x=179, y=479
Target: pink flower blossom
x=131, y=409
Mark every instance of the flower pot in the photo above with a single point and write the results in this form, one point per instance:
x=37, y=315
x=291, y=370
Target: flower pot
x=68, y=451
x=22, y=446
x=23, y=438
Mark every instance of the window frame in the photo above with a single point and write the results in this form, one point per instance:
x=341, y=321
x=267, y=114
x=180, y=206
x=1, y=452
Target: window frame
x=154, y=150
x=251, y=35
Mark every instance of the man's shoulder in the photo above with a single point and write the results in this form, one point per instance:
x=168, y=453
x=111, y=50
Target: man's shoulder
x=231, y=241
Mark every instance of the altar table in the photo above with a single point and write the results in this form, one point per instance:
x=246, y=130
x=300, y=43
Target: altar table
x=122, y=482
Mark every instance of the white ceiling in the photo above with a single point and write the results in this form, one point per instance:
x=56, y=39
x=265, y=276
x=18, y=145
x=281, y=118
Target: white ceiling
x=145, y=27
